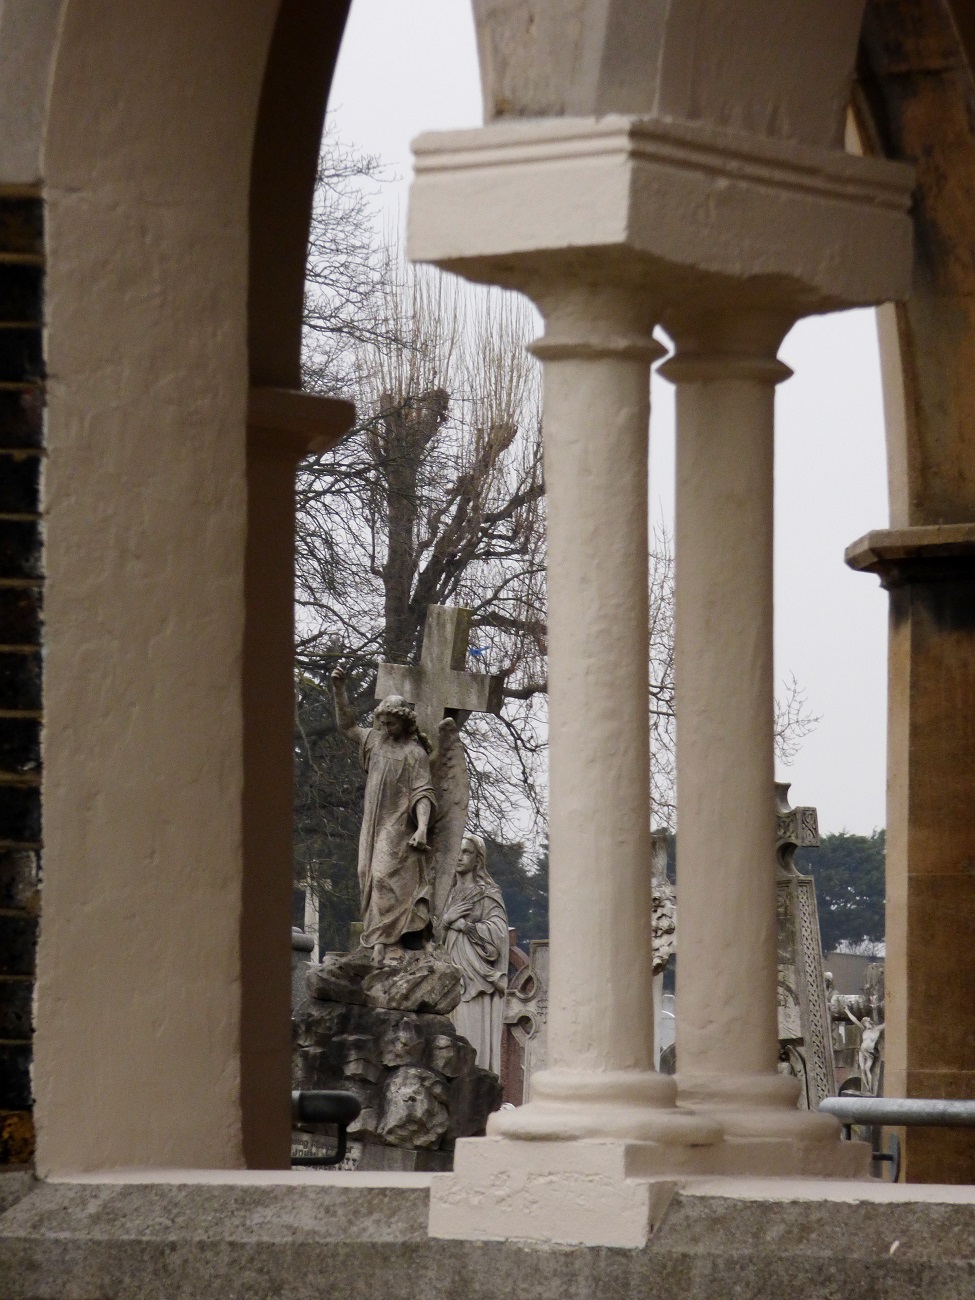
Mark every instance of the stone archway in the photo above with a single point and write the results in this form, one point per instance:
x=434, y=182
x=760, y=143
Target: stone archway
x=914, y=98
x=178, y=162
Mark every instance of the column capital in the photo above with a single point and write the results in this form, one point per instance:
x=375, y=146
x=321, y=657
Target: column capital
x=696, y=367
x=686, y=212
x=718, y=343
x=625, y=347
x=923, y=554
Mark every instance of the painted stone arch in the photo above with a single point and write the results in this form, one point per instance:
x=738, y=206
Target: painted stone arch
x=914, y=99
x=178, y=162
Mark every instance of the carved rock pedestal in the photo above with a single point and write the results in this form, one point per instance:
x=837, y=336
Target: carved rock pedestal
x=424, y=982
x=415, y=1077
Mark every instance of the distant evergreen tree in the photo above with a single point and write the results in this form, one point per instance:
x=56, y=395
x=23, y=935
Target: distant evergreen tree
x=525, y=891
x=850, y=886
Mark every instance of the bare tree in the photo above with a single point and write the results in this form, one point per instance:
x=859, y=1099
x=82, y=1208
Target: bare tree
x=793, y=719
x=436, y=497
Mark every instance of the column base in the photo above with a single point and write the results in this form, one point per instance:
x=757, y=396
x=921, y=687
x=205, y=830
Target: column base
x=627, y=1105
x=759, y=1117
x=590, y=1192
x=603, y=1192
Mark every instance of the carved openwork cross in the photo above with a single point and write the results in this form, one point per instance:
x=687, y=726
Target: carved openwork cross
x=439, y=686
x=795, y=828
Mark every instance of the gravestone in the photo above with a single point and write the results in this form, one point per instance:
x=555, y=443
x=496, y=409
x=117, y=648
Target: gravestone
x=664, y=919
x=439, y=687
x=805, y=1033
x=525, y=1038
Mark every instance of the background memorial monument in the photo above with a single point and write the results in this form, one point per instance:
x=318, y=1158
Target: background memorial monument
x=375, y=1021
x=805, y=1037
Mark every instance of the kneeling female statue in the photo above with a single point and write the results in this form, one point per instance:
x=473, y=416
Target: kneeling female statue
x=474, y=930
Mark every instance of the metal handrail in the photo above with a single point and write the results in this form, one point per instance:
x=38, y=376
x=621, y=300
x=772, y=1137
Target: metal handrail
x=901, y=1112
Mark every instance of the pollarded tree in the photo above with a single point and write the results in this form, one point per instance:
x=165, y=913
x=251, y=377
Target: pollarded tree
x=436, y=497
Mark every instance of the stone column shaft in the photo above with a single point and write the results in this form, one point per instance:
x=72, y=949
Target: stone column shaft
x=597, y=412
x=727, y=956
x=600, y=1079
x=727, y=950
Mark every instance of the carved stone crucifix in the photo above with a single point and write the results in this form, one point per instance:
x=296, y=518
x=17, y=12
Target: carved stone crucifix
x=439, y=685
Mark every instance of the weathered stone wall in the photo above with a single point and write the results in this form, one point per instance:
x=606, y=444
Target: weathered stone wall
x=21, y=405
x=357, y=1239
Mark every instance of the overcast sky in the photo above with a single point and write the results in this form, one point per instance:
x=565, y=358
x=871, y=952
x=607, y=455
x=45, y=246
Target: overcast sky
x=408, y=66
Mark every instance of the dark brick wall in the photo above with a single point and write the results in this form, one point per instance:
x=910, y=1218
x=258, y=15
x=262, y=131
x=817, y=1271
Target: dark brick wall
x=21, y=431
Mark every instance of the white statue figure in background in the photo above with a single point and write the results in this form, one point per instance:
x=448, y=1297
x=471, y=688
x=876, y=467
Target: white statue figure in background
x=868, y=1052
x=412, y=822
x=474, y=930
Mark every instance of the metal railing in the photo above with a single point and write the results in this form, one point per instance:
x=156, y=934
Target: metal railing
x=322, y=1107
x=876, y=1113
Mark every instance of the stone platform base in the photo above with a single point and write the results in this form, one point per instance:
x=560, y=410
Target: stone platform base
x=601, y=1193
x=329, y=1236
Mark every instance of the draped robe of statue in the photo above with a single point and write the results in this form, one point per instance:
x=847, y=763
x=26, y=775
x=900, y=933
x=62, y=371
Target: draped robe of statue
x=482, y=957
x=393, y=878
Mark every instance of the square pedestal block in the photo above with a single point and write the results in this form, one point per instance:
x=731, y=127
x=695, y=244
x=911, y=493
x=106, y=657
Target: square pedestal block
x=603, y=1193
x=599, y=1193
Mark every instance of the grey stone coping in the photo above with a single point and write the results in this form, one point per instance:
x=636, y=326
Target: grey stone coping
x=359, y=1238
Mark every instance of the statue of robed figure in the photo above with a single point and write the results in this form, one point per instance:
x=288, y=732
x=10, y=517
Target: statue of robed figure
x=474, y=930
x=412, y=823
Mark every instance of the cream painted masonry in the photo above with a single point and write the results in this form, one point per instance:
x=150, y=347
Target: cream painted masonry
x=136, y=1051
x=612, y=225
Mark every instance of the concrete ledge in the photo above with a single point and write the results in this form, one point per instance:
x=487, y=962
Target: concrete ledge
x=760, y=1239
x=926, y=553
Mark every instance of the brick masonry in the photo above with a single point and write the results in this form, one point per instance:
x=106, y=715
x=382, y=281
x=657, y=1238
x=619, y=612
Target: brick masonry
x=21, y=606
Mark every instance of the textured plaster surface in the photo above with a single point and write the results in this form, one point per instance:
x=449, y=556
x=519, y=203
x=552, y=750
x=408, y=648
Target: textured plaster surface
x=136, y=1056
x=789, y=77
x=168, y=1242
x=28, y=34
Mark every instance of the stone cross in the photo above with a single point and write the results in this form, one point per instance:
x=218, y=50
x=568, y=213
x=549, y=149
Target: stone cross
x=805, y=1030
x=439, y=685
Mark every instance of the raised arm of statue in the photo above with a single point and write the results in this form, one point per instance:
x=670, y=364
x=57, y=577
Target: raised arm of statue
x=344, y=717
x=853, y=1017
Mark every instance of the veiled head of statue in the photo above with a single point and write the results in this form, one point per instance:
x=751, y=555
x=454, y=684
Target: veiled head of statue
x=473, y=856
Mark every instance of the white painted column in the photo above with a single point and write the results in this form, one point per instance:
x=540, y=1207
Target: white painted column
x=727, y=1037
x=600, y=1080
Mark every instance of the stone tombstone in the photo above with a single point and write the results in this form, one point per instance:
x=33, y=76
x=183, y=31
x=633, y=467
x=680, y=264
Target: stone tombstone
x=412, y=777
x=664, y=921
x=441, y=686
x=525, y=1040
x=376, y=1019
x=805, y=1037
x=302, y=946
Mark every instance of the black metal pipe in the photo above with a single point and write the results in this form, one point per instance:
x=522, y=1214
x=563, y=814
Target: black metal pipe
x=324, y=1107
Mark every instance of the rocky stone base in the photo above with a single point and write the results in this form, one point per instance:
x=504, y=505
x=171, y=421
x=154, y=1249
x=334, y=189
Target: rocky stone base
x=412, y=1072
x=425, y=981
